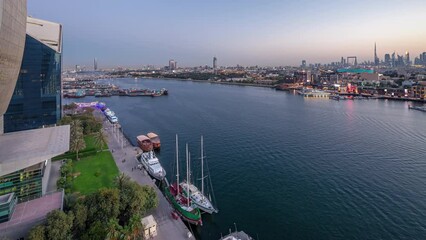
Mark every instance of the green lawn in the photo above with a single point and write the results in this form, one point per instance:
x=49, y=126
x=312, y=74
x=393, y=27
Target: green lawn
x=95, y=172
x=90, y=143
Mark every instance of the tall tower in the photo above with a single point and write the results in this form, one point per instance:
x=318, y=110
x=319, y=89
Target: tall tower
x=95, y=64
x=376, y=59
x=214, y=63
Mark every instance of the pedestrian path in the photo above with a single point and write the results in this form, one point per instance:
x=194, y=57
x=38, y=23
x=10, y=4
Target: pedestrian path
x=124, y=155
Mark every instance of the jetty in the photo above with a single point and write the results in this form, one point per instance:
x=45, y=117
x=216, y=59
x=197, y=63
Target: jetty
x=124, y=155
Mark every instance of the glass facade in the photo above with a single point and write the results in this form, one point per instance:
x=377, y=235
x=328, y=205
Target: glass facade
x=25, y=183
x=7, y=206
x=36, y=100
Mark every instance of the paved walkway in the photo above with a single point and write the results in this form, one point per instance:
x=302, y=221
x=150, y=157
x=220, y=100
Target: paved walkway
x=122, y=149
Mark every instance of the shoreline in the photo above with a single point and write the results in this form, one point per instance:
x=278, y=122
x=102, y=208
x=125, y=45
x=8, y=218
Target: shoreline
x=124, y=154
x=201, y=81
x=382, y=97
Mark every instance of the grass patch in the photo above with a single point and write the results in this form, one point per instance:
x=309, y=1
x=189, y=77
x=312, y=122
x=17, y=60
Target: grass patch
x=96, y=172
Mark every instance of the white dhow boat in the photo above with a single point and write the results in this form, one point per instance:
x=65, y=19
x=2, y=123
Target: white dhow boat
x=198, y=197
x=152, y=165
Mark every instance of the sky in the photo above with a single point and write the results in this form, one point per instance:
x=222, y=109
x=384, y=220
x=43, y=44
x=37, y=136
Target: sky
x=133, y=33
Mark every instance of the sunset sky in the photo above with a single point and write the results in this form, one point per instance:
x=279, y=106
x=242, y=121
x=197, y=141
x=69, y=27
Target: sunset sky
x=246, y=32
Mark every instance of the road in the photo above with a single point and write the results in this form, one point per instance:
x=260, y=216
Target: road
x=124, y=155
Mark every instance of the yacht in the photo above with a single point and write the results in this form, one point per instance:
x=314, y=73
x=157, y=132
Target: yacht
x=198, y=197
x=152, y=165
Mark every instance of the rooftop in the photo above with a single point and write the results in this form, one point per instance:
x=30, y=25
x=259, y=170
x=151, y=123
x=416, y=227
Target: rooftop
x=31, y=212
x=19, y=150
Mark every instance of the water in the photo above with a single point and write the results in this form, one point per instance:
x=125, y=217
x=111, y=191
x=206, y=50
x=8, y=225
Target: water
x=287, y=167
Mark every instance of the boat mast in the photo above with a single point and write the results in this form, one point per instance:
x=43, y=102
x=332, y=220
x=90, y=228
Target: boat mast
x=177, y=165
x=202, y=167
x=187, y=175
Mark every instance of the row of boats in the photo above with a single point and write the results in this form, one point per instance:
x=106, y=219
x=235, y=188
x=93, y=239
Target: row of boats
x=133, y=92
x=185, y=197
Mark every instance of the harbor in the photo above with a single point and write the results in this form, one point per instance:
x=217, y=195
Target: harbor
x=311, y=174
x=80, y=88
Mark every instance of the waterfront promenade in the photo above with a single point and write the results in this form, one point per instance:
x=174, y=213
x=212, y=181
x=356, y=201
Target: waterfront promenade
x=124, y=155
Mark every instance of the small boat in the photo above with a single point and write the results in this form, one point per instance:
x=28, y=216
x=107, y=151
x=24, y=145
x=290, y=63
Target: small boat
x=152, y=165
x=198, y=197
x=180, y=202
x=155, y=139
x=241, y=235
x=144, y=143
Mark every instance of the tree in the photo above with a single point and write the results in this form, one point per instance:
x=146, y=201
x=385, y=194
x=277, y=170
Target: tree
x=59, y=225
x=134, y=198
x=100, y=139
x=113, y=230
x=80, y=213
x=151, y=197
x=37, y=233
x=103, y=205
x=77, y=141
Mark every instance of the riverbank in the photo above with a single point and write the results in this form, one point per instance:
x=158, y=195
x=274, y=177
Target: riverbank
x=124, y=156
x=201, y=81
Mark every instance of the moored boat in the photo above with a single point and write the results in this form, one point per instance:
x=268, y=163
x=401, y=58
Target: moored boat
x=180, y=202
x=155, y=139
x=152, y=165
x=144, y=143
x=198, y=197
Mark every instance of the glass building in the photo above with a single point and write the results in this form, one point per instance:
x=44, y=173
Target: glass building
x=7, y=206
x=36, y=100
x=25, y=183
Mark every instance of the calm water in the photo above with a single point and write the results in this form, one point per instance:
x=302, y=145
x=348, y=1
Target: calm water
x=287, y=167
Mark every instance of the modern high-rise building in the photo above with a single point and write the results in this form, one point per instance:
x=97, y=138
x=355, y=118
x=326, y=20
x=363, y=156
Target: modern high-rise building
x=393, y=61
x=376, y=58
x=387, y=59
x=172, y=64
x=95, y=64
x=214, y=63
x=25, y=155
x=407, y=58
x=12, y=41
x=36, y=100
x=303, y=63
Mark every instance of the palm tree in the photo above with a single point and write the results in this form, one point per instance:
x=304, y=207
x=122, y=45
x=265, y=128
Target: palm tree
x=100, y=139
x=77, y=144
x=76, y=139
x=135, y=226
x=113, y=230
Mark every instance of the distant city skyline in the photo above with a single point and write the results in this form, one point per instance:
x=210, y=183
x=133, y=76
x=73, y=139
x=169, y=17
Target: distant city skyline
x=245, y=32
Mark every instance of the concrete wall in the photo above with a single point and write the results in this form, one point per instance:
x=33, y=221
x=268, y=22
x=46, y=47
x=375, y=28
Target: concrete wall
x=13, y=16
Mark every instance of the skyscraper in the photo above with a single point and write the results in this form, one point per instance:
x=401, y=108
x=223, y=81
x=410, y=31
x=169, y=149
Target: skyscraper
x=393, y=59
x=387, y=59
x=376, y=59
x=95, y=64
x=172, y=64
x=214, y=63
x=407, y=58
x=303, y=63
x=36, y=100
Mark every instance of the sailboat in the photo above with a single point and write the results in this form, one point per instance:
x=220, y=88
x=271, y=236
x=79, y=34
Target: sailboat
x=181, y=203
x=198, y=197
